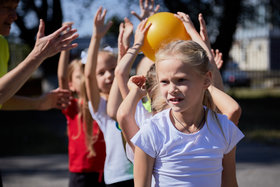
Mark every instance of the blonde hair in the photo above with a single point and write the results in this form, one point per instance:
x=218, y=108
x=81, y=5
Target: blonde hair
x=108, y=52
x=157, y=101
x=85, y=121
x=193, y=54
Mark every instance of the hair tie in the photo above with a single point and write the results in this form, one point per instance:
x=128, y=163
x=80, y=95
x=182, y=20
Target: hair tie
x=84, y=56
x=108, y=48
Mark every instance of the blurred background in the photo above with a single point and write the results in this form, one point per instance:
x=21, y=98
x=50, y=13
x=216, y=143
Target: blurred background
x=247, y=32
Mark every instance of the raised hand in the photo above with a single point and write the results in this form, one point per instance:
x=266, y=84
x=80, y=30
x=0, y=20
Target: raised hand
x=218, y=58
x=185, y=18
x=203, y=30
x=121, y=48
x=47, y=46
x=142, y=28
x=128, y=29
x=125, y=31
x=146, y=10
x=99, y=28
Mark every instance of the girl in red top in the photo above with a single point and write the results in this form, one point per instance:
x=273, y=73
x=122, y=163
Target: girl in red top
x=86, y=148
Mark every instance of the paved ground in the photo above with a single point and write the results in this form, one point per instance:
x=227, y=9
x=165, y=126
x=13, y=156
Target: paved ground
x=257, y=165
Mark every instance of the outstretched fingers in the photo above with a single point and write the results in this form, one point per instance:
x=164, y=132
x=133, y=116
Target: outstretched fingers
x=218, y=58
x=185, y=18
x=41, y=30
x=203, y=30
x=61, y=40
x=97, y=14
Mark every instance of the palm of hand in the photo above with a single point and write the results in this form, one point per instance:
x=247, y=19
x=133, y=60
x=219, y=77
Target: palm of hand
x=128, y=30
x=147, y=12
x=100, y=28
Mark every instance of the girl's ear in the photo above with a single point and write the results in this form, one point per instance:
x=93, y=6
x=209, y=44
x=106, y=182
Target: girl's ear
x=208, y=79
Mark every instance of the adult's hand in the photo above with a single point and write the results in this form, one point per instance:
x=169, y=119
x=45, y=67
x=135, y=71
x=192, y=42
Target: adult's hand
x=47, y=46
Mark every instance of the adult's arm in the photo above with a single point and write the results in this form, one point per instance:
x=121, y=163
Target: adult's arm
x=45, y=47
x=58, y=98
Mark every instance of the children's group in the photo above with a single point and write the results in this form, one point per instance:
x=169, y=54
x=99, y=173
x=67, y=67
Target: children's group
x=168, y=124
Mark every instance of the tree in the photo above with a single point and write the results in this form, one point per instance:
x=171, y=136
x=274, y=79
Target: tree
x=29, y=12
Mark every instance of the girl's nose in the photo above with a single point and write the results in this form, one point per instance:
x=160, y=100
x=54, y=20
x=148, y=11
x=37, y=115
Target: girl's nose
x=173, y=89
x=109, y=75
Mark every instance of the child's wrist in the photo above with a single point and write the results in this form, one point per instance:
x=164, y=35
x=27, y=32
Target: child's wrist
x=133, y=50
x=138, y=95
x=137, y=45
x=97, y=37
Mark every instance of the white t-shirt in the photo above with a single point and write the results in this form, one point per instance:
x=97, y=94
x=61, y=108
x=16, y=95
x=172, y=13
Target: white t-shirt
x=117, y=167
x=141, y=114
x=187, y=159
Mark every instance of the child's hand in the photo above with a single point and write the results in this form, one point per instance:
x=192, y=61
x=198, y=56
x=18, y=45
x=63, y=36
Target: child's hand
x=146, y=9
x=128, y=29
x=185, y=18
x=125, y=31
x=140, y=33
x=99, y=29
x=137, y=83
x=203, y=31
x=58, y=98
x=218, y=58
x=121, y=48
x=69, y=25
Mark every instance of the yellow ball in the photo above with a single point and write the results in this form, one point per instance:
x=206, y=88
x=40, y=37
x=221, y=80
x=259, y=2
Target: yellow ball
x=164, y=29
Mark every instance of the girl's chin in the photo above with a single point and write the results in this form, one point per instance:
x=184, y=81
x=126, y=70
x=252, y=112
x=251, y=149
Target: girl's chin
x=176, y=109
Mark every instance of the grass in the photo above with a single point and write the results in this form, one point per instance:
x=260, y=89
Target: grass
x=260, y=113
x=249, y=93
x=271, y=137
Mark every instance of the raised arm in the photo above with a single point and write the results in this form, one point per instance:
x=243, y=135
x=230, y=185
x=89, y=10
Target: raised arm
x=62, y=70
x=99, y=30
x=45, y=47
x=115, y=97
x=215, y=60
x=127, y=109
x=122, y=71
x=226, y=104
x=205, y=44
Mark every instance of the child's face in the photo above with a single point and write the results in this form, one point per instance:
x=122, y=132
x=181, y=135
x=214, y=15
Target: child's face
x=7, y=16
x=75, y=83
x=105, y=71
x=181, y=86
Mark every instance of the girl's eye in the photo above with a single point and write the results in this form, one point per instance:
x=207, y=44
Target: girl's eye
x=163, y=82
x=101, y=73
x=181, y=80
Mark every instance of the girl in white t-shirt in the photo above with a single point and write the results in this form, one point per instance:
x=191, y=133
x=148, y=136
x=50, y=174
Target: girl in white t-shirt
x=225, y=104
x=99, y=75
x=187, y=144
